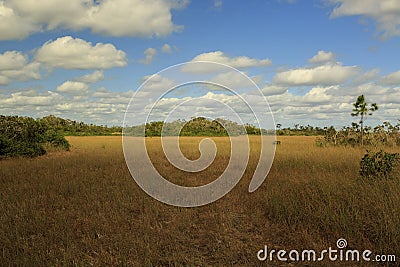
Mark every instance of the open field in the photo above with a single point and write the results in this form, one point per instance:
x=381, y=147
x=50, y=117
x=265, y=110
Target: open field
x=83, y=208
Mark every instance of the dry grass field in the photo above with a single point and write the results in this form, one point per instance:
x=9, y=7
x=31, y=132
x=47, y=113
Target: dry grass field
x=83, y=208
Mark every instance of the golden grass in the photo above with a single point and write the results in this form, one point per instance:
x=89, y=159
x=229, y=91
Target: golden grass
x=83, y=208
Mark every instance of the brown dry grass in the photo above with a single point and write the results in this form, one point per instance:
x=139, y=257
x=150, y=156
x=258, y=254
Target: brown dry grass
x=83, y=208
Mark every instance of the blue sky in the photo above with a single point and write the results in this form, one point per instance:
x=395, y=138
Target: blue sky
x=83, y=60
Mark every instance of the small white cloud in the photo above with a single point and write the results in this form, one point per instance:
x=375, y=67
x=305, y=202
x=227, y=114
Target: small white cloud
x=94, y=77
x=73, y=88
x=322, y=57
x=166, y=48
x=150, y=53
x=74, y=53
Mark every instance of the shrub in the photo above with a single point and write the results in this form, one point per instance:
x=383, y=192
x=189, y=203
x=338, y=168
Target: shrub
x=56, y=140
x=378, y=165
x=24, y=136
x=27, y=149
x=4, y=145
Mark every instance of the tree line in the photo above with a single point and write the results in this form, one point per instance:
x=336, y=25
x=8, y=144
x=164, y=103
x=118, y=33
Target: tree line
x=198, y=126
x=29, y=137
x=69, y=127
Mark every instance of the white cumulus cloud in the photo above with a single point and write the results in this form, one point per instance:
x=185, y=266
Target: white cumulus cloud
x=220, y=57
x=29, y=98
x=14, y=26
x=73, y=88
x=14, y=66
x=322, y=57
x=10, y=60
x=74, y=53
x=320, y=75
x=20, y=18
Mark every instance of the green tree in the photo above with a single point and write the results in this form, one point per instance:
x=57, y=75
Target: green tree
x=362, y=109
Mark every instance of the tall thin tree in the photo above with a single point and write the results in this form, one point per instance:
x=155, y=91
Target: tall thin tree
x=362, y=109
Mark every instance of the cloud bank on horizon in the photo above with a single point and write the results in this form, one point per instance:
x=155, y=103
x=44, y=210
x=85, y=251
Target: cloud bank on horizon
x=84, y=59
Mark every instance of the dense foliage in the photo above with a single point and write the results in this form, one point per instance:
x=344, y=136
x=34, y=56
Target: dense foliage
x=70, y=127
x=195, y=127
x=24, y=136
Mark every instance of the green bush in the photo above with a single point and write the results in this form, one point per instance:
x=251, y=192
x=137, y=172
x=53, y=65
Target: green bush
x=378, y=165
x=27, y=149
x=24, y=136
x=56, y=139
x=4, y=145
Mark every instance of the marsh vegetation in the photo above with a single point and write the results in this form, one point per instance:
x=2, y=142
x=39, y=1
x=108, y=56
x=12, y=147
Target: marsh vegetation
x=82, y=207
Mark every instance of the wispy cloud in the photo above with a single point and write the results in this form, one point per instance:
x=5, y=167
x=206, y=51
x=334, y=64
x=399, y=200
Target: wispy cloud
x=386, y=13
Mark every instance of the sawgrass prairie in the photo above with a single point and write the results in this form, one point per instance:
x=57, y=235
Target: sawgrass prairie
x=82, y=207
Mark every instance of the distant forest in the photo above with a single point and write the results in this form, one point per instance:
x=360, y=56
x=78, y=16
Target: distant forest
x=198, y=126
x=25, y=136
x=68, y=127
